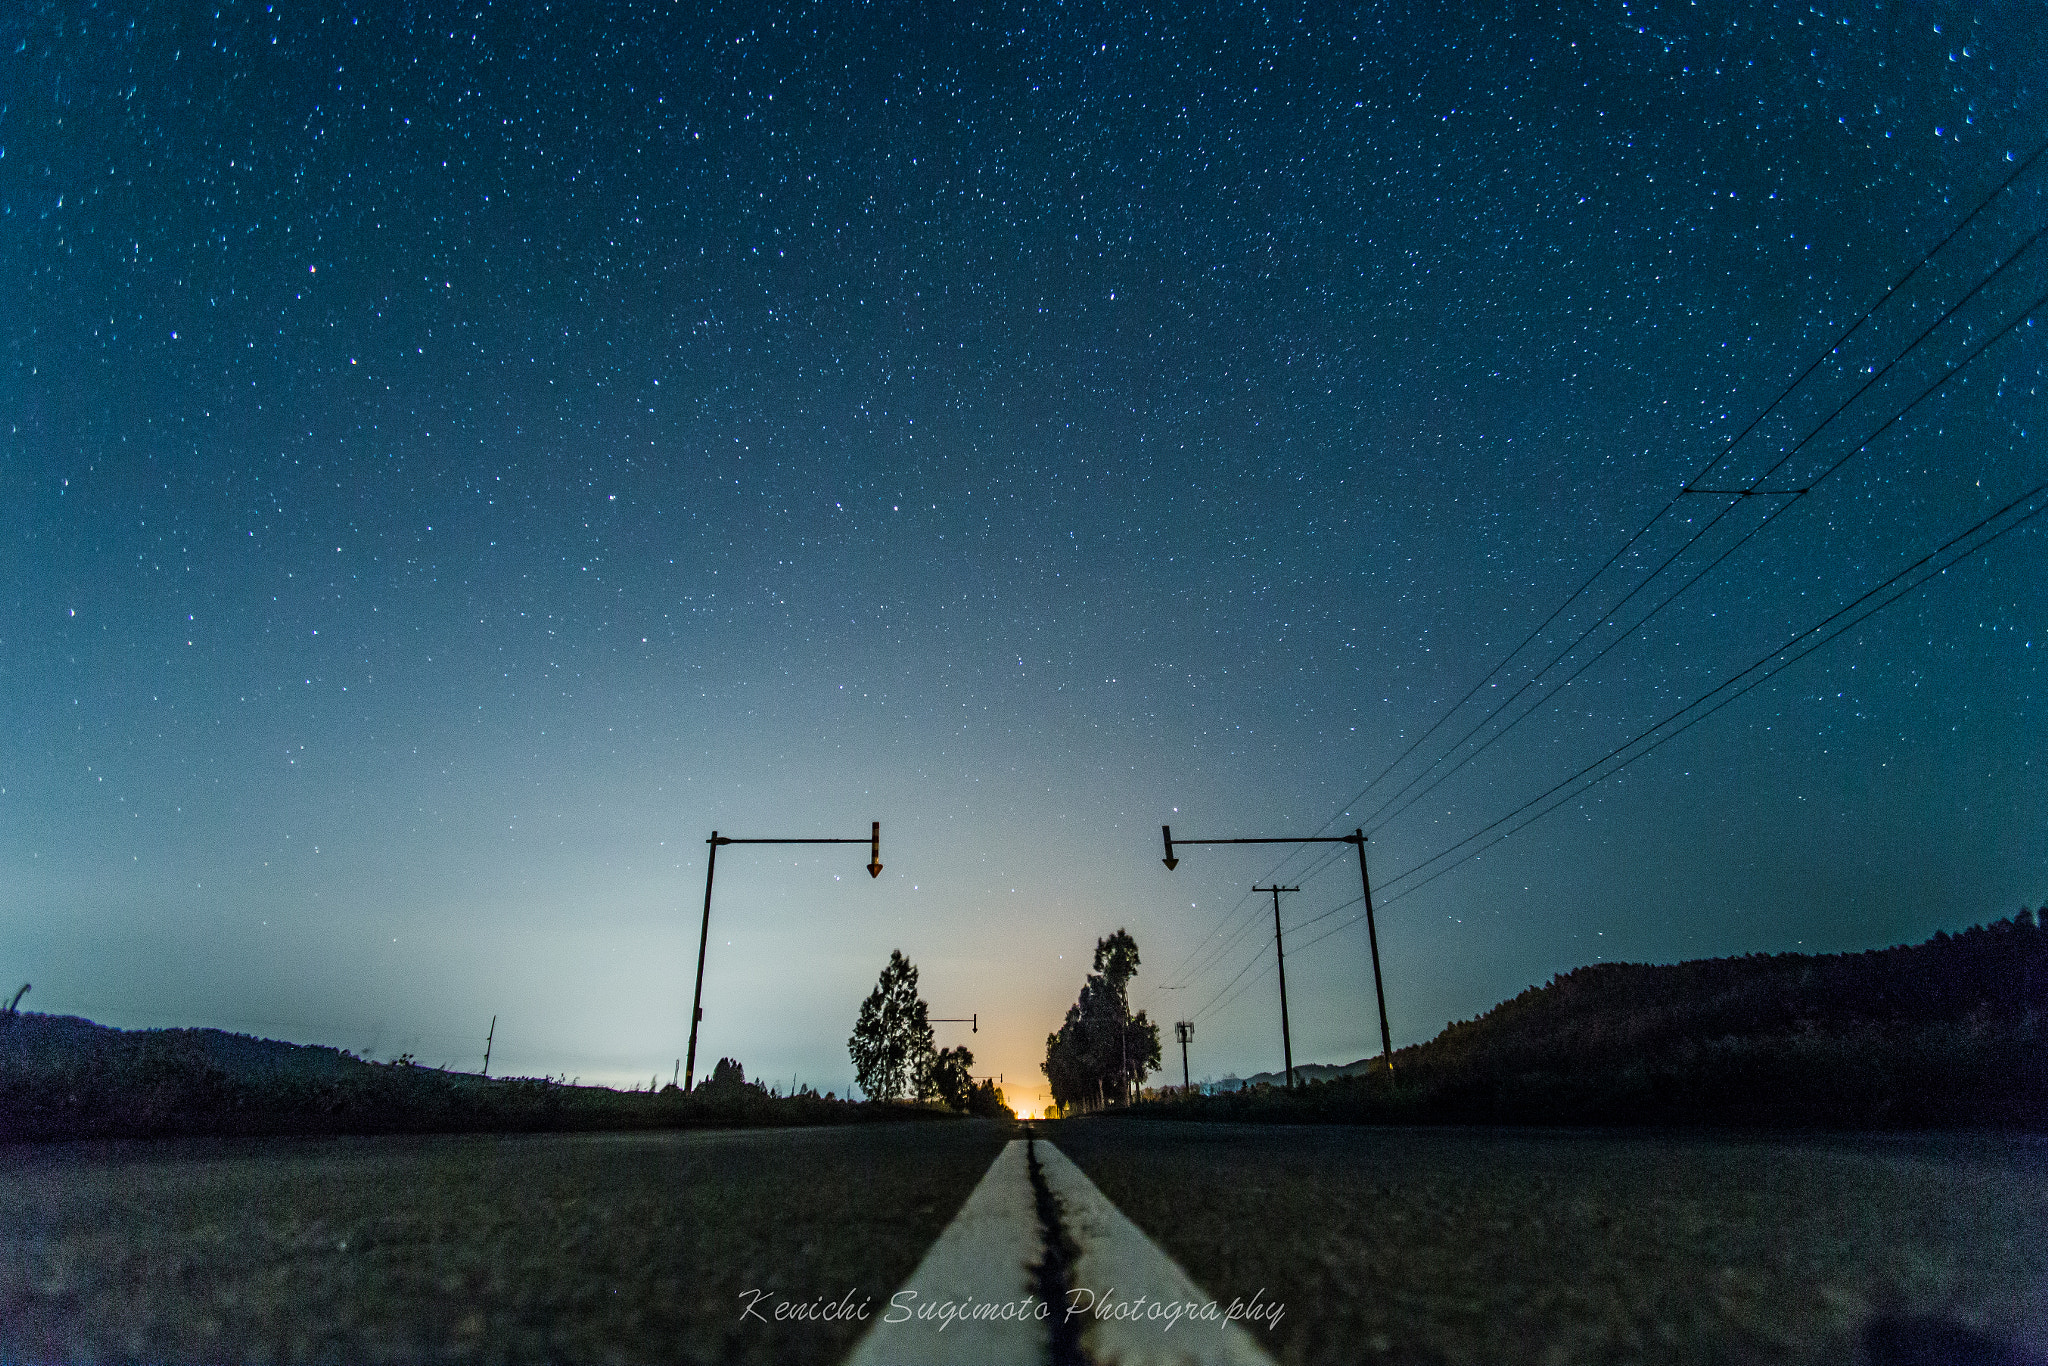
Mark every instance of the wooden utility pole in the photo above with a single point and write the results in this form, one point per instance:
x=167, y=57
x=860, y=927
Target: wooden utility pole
x=1280, y=956
x=487, y=1045
x=1184, y=1030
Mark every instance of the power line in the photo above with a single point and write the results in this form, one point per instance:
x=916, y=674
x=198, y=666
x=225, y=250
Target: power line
x=1827, y=624
x=1219, y=1001
x=1381, y=815
x=1200, y=959
x=1833, y=349
x=1800, y=645
x=1689, y=724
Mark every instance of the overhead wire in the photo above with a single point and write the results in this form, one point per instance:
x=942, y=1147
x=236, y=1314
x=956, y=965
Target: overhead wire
x=1205, y=956
x=1225, y=995
x=1833, y=349
x=1792, y=650
x=1954, y=369
x=1381, y=815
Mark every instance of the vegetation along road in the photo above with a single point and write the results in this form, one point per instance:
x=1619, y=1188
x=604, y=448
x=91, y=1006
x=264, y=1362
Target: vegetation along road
x=1403, y=1245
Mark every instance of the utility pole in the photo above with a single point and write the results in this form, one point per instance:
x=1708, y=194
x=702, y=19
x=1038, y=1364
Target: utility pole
x=1356, y=837
x=1372, y=935
x=487, y=1045
x=1184, y=1030
x=874, y=843
x=1280, y=957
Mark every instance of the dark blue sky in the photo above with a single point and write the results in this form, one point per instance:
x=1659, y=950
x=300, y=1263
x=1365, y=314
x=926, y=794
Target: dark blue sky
x=458, y=456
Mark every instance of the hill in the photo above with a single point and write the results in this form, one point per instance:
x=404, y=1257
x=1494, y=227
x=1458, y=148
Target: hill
x=1945, y=1033
x=63, y=1077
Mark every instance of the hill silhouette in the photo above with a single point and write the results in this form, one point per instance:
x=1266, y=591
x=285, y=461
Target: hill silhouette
x=1945, y=1033
x=63, y=1077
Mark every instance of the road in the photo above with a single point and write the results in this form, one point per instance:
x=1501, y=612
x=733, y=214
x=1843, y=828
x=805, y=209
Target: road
x=1402, y=1245
x=599, y=1247
x=1487, y=1246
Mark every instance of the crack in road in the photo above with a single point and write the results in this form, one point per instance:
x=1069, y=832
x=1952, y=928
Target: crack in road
x=1051, y=1277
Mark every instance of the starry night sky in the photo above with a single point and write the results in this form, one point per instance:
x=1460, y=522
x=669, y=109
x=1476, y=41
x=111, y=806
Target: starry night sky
x=456, y=457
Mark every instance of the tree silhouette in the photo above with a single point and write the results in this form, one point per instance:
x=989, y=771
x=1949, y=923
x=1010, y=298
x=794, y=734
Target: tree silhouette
x=946, y=1079
x=892, y=1041
x=726, y=1079
x=986, y=1101
x=1102, y=1053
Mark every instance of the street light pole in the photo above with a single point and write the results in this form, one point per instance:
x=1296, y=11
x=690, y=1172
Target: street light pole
x=1356, y=837
x=874, y=843
x=703, y=939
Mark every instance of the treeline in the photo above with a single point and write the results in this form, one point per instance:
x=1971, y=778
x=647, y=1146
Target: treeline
x=63, y=1078
x=1952, y=1032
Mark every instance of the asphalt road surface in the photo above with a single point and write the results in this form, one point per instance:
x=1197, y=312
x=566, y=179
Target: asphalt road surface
x=572, y=1248
x=1492, y=1246
x=1397, y=1245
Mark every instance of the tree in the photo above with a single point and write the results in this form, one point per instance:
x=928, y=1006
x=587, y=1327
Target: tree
x=946, y=1080
x=728, y=1080
x=892, y=1041
x=1102, y=1053
x=986, y=1101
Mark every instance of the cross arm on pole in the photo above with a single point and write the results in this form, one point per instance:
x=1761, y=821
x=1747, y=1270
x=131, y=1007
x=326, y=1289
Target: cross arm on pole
x=874, y=843
x=1166, y=833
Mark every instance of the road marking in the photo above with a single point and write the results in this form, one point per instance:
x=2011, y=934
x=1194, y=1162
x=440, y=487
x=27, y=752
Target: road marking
x=1124, y=1294
x=1135, y=1287
x=984, y=1258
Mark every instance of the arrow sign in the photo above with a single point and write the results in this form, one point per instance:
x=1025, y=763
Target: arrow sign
x=875, y=850
x=1166, y=833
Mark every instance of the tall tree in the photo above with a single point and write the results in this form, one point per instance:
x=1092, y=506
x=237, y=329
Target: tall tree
x=1102, y=1053
x=892, y=1040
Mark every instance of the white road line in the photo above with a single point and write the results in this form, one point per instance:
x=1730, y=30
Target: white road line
x=1135, y=1287
x=984, y=1258
x=1134, y=1304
